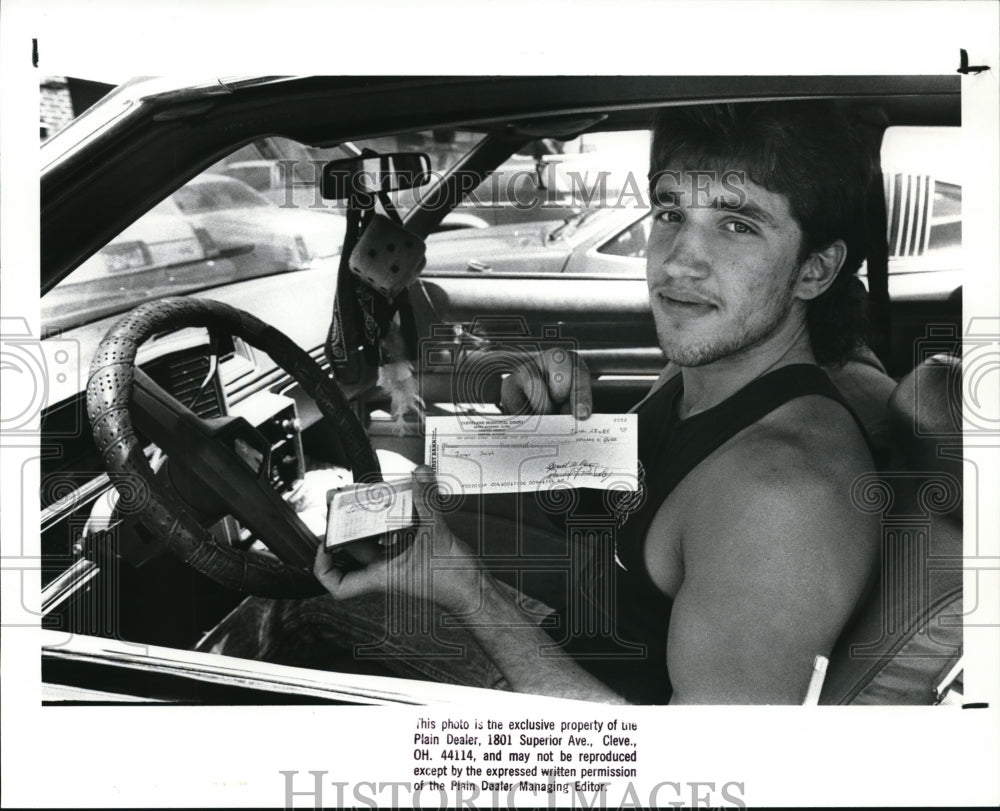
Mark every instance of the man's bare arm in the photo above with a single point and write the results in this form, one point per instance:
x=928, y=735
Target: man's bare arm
x=509, y=636
x=515, y=644
x=772, y=573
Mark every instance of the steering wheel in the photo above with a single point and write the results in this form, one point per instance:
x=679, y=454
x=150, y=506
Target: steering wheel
x=215, y=467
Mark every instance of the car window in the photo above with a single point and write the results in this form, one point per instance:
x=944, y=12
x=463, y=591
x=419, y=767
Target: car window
x=551, y=204
x=256, y=212
x=256, y=174
x=631, y=242
x=921, y=173
x=191, y=200
x=923, y=202
x=213, y=193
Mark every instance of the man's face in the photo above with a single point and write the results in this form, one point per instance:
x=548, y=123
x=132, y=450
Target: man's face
x=722, y=264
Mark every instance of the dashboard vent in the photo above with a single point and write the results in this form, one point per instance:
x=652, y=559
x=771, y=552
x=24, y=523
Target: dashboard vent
x=183, y=375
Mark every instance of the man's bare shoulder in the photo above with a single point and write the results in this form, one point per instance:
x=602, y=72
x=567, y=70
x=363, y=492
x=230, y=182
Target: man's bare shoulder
x=782, y=488
x=809, y=440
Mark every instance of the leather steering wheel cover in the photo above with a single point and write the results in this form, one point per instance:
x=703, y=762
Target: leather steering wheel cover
x=109, y=392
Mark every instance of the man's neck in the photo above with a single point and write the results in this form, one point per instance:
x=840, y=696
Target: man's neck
x=707, y=386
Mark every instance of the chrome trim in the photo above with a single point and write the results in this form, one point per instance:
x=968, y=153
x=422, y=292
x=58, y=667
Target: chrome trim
x=83, y=494
x=949, y=680
x=210, y=88
x=67, y=584
x=60, y=694
x=86, y=493
x=889, y=191
x=911, y=214
x=923, y=210
x=279, y=679
x=904, y=190
x=927, y=211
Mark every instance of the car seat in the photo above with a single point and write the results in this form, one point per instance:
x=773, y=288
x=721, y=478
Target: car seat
x=904, y=644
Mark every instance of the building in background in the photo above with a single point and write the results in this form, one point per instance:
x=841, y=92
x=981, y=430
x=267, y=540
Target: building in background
x=63, y=98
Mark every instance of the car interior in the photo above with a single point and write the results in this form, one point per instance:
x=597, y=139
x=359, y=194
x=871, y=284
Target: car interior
x=217, y=383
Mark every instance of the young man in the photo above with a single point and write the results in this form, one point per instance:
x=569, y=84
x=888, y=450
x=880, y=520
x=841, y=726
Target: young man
x=743, y=557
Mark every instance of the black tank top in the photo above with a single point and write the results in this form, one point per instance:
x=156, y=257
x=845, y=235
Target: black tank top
x=669, y=449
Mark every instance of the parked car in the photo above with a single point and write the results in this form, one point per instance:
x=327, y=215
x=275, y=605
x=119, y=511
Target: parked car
x=163, y=252
x=289, y=181
x=210, y=232
x=242, y=220
x=111, y=581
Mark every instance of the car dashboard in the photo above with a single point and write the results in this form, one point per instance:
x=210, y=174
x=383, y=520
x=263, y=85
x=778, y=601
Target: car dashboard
x=103, y=575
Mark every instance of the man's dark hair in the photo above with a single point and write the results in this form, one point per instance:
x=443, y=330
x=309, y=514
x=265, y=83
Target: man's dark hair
x=807, y=151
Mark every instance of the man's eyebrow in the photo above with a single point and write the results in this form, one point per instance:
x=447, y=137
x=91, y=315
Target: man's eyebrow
x=665, y=197
x=661, y=192
x=749, y=210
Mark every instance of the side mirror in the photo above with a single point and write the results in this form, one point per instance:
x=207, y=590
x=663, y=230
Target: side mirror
x=393, y=171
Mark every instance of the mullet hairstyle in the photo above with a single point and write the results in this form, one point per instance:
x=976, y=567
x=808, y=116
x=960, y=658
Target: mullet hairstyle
x=809, y=152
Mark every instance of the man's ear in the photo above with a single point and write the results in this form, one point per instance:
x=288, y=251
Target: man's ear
x=820, y=269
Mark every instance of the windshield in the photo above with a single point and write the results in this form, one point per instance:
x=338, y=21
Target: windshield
x=217, y=194
x=257, y=212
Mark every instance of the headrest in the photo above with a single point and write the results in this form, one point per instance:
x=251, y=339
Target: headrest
x=866, y=388
x=925, y=416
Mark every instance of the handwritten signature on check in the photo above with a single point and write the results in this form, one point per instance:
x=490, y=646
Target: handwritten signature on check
x=576, y=469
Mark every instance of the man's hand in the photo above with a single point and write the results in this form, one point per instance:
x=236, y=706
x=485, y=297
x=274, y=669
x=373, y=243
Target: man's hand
x=553, y=382
x=308, y=496
x=436, y=565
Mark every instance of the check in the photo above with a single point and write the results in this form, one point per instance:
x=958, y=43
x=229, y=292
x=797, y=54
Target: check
x=510, y=454
x=365, y=510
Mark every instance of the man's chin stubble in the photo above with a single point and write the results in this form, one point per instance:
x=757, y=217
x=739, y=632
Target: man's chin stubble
x=706, y=352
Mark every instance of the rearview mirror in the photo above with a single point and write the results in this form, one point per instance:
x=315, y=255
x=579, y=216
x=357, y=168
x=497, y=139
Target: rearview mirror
x=376, y=173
